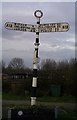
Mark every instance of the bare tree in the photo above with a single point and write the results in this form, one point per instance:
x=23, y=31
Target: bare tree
x=48, y=65
x=16, y=63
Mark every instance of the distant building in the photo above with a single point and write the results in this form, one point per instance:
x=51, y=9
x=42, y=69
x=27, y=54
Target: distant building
x=16, y=76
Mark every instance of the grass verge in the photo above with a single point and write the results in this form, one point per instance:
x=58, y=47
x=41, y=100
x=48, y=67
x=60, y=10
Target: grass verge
x=66, y=99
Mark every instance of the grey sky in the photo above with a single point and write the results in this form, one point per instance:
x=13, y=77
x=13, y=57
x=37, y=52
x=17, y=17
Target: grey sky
x=56, y=46
x=37, y=0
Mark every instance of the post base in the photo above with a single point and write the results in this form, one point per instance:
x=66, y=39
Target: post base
x=33, y=101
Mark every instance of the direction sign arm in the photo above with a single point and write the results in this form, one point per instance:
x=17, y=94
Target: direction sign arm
x=20, y=27
x=54, y=27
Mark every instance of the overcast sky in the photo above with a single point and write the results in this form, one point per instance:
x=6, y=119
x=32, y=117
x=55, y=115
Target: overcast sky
x=57, y=45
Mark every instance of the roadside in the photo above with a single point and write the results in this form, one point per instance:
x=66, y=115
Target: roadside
x=69, y=106
x=66, y=111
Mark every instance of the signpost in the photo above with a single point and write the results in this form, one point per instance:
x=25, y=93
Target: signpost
x=38, y=28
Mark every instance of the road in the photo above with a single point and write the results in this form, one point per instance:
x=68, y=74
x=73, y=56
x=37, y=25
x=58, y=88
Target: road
x=69, y=106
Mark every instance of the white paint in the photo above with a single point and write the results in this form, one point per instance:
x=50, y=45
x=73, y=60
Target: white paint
x=37, y=36
x=34, y=82
x=36, y=46
x=34, y=66
x=33, y=100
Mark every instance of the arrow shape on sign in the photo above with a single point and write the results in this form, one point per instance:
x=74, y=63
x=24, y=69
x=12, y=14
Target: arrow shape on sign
x=54, y=27
x=20, y=27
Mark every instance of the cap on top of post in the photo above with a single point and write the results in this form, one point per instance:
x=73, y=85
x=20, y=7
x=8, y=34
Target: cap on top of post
x=38, y=13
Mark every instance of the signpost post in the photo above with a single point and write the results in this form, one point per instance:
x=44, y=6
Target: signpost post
x=38, y=28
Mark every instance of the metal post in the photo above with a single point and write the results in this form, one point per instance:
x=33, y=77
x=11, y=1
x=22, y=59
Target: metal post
x=56, y=112
x=35, y=61
x=9, y=114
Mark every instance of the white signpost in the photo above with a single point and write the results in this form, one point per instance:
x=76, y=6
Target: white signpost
x=38, y=28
